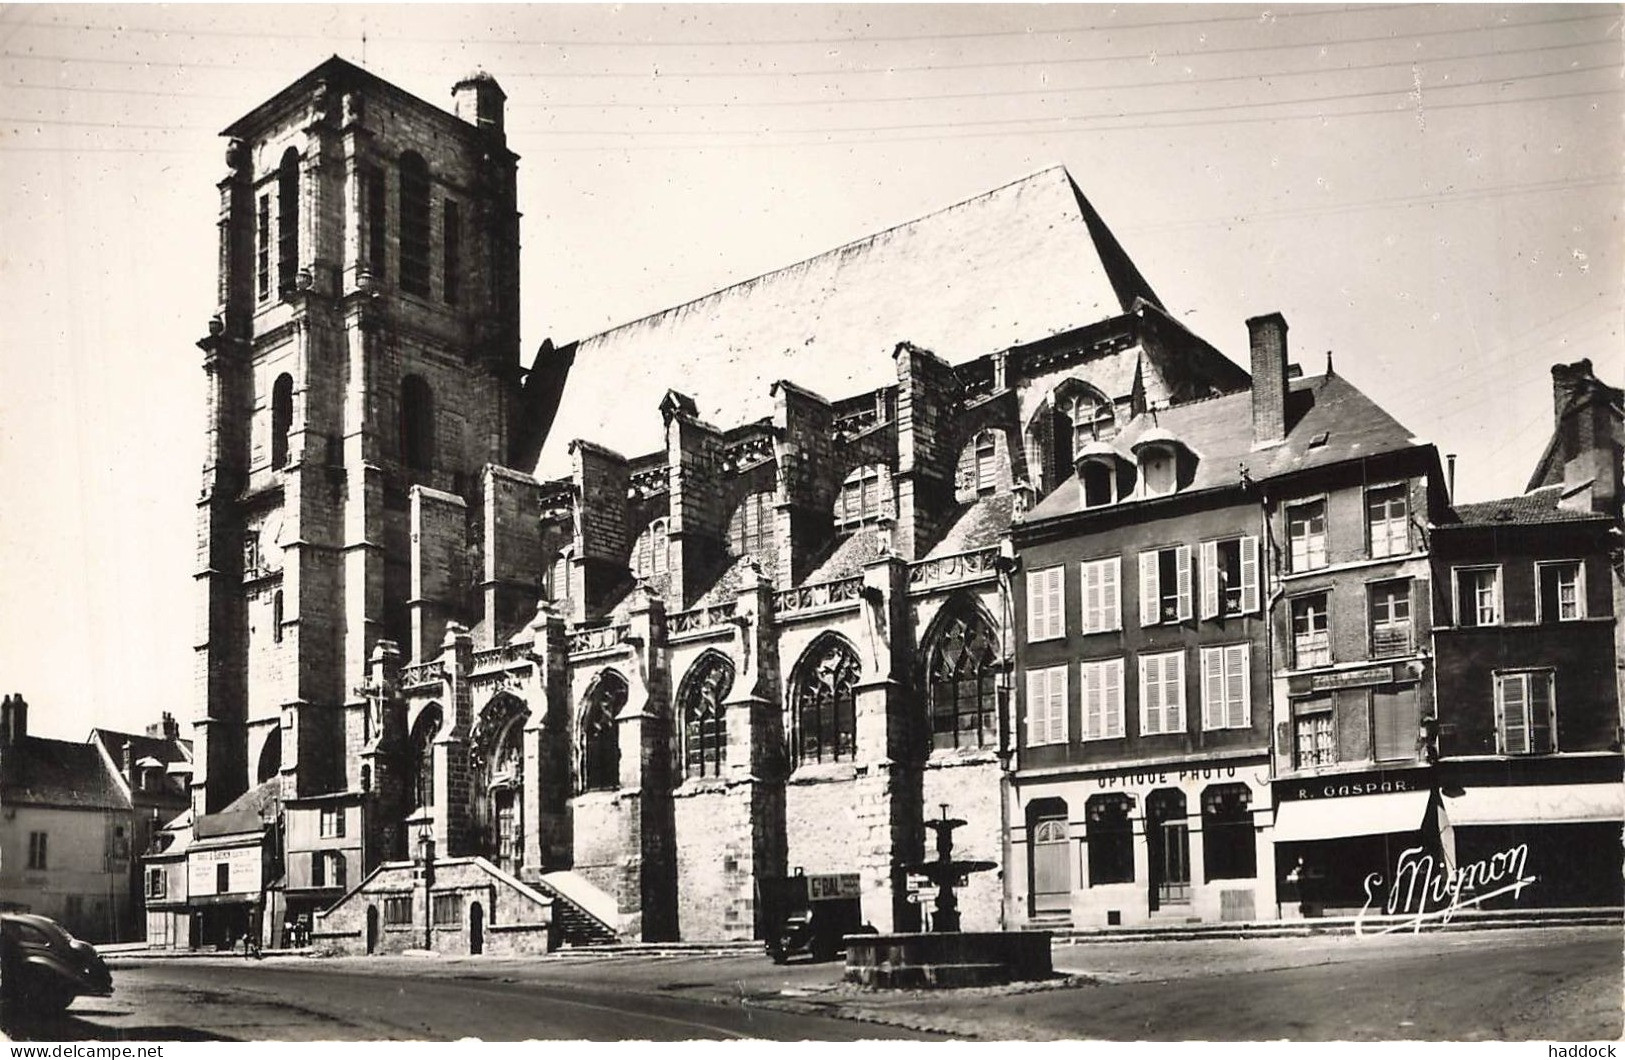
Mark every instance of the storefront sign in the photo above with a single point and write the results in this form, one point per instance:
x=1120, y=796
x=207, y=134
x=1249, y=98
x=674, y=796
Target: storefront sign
x=1422, y=892
x=242, y=875
x=1370, y=675
x=1160, y=778
x=1359, y=784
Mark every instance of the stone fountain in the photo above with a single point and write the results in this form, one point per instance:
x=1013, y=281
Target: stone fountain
x=946, y=956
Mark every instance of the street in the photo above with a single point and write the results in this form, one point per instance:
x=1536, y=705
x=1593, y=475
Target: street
x=1552, y=983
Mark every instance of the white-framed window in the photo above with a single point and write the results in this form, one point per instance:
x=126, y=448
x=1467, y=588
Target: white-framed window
x=332, y=821
x=1101, y=691
x=1227, y=687
x=1311, y=631
x=1314, y=740
x=1098, y=477
x=1478, y=596
x=1390, y=607
x=987, y=463
x=1525, y=712
x=1165, y=585
x=1162, y=693
x=1387, y=521
x=1046, y=604
x=1306, y=531
x=1102, y=595
x=1230, y=577
x=1562, y=591
x=1046, y=706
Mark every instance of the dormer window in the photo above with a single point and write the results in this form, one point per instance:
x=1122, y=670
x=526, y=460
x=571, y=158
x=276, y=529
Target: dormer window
x=1160, y=455
x=1104, y=477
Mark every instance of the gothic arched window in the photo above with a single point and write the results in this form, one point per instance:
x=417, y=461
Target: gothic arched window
x=422, y=756
x=962, y=666
x=1079, y=414
x=651, y=552
x=270, y=763
x=281, y=418
x=414, y=213
x=417, y=423
x=750, y=528
x=287, y=221
x=705, y=730
x=600, y=736
x=823, y=704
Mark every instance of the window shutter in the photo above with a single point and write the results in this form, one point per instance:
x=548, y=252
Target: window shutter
x=1150, y=591
x=1094, y=707
x=1092, y=601
x=1238, y=713
x=1249, y=575
x=1182, y=564
x=1112, y=593
x=1057, y=705
x=1173, y=693
x=1036, y=625
x=1514, y=696
x=1210, y=579
x=1114, y=697
x=1037, y=706
x=1150, y=695
x=1212, y=688
x=1057, y=602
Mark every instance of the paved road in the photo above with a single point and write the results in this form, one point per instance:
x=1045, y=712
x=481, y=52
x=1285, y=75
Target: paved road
x=224, y=999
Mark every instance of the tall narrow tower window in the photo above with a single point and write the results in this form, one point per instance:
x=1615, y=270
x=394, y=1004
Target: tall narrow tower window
x=417, y=423
x=263, y=263
x=377, y=225
x=452, y=243
x=287, y=221
x=414, y=224
x=281, y=418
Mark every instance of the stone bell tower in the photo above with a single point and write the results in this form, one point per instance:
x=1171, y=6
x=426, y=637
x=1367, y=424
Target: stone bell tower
x=364, y=357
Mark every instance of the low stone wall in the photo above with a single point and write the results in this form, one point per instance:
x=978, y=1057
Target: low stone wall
x=947, y=959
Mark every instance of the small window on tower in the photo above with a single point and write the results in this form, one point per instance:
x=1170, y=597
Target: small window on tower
x=987, y=467
x=452, y=244
x=287, y=222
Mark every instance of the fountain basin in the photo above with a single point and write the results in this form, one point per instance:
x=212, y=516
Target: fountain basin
x=943, y=959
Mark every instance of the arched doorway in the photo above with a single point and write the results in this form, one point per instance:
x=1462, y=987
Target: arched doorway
x=1049, y=858
x=372, y=929
x=476, y=929
x=1168, y=837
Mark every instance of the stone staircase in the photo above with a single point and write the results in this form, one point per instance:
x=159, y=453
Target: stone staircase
x=583, y=915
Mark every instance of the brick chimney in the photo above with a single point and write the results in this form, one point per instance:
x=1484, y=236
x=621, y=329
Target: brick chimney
x=13, y=720
x=1267, y=337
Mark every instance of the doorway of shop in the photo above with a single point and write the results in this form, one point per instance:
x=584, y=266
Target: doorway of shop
x=1168, y=837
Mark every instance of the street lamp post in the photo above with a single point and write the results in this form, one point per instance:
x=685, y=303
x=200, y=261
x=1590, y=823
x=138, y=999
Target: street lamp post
x=425, y=871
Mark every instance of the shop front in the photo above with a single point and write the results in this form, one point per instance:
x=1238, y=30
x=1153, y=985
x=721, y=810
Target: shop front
x=225, y=892
x=1141, y=845
x=1341, y=839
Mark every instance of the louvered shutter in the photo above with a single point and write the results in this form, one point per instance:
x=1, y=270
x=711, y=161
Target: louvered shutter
x=1150, y=695
x=1094, y=707
x=1173, y=692
x=1037, y=706
x=1057, y=602
x=1057, y=705
x=1210, y=579
x=1249, y=575
x=1092, y=603
x=1112, y=592
x=1212, y=687
x=1238, y=713
x=1150, y=591
x=1514, y=729
x=1540, y=713
x=1114, y=697
x=1182, y=560
x=1035, y=606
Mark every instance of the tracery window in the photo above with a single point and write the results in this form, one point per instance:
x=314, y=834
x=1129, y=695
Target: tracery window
x=601, y=742
x=962, y=667
x=287, y=221
x=705, y=731
x=823, y=708
x=651, y=552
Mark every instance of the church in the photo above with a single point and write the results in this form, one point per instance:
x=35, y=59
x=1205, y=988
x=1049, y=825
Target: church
x=493, y=657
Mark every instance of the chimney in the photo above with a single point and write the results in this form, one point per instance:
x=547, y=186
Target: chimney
x=1568, y=380
x=127, y=761
x=1450, y=477
x=1267, y=337
x=172, y=728
x=478, y=100
x=13, y=720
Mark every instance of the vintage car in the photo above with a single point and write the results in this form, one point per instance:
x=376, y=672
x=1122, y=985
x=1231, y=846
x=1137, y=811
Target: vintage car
x=814, y=914
x=43, y=968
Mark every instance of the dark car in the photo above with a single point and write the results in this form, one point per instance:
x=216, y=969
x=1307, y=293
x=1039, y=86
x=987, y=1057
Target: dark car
x=43, y=968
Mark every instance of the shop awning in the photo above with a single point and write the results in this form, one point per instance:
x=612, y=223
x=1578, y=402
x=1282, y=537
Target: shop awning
x=1305, y=820
x=1543, y=803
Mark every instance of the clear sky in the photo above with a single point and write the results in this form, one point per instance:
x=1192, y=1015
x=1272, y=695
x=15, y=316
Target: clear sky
x=1432, y=192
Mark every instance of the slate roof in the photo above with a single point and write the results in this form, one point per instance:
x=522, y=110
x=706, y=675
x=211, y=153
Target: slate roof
x=165, y=752
x=981, y=525
x=1219, y=431
x=848, y=558
x=246, y=813
x=1532, y=509
x=37, y=771
x=1015, y=265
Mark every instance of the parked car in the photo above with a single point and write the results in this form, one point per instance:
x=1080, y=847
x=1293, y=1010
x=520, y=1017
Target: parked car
x=43, y=968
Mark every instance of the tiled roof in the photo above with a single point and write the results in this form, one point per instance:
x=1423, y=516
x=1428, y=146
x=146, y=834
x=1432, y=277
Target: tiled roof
x=1531, y=509
x=981, y=525
x=1219, y=432
x=244, y=814
x=1014, y=265
x=40, y=772
x=849, y=557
